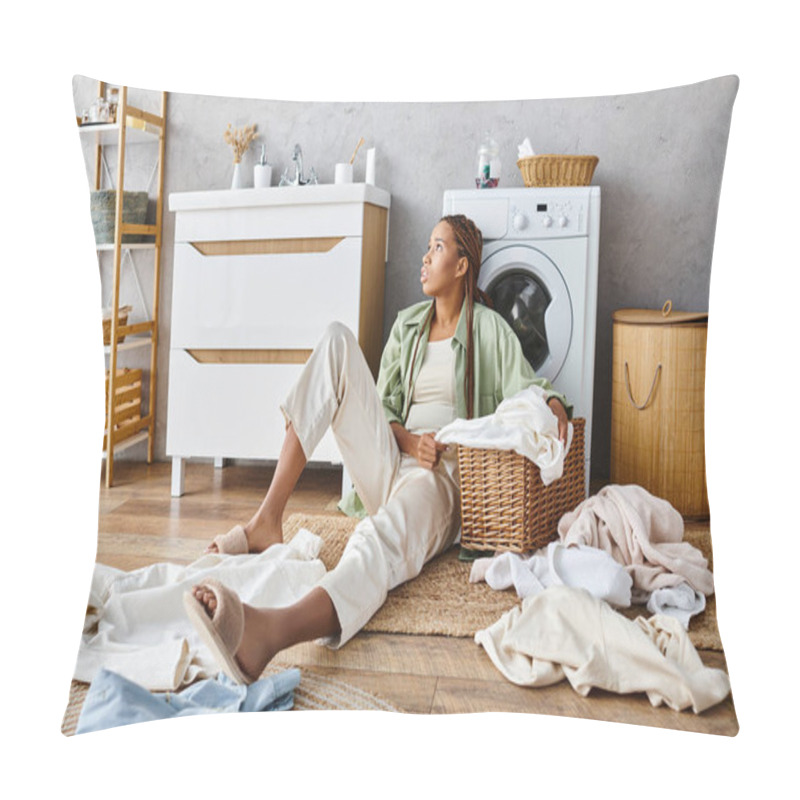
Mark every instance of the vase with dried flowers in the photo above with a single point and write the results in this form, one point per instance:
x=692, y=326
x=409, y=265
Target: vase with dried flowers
x=239, y=139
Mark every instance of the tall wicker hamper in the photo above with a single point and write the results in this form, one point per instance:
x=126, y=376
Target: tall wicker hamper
x=657, y=405
x=505, y=505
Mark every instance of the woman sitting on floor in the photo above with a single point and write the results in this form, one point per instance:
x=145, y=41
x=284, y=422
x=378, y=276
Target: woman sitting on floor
x=452, y=357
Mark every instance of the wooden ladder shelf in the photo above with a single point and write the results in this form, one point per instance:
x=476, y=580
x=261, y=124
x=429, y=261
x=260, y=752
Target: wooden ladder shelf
x=125, y=423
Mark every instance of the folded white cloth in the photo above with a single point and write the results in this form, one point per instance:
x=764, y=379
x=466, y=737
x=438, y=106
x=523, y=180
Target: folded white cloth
x=643, y=532
x=566, y=633
x=523, y=423
x=580, y=567
x=136, y=625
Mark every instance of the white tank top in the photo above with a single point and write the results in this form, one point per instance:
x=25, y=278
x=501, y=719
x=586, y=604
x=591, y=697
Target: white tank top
x=433, y=402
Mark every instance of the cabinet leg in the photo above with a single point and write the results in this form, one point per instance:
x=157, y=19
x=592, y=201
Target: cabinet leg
x=347, y=484
x=178, y=475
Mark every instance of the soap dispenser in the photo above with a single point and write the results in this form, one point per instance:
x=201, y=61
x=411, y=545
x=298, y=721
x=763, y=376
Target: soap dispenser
x=262, y=172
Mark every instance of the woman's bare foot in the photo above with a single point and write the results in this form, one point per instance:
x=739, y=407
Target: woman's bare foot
x=255, y=650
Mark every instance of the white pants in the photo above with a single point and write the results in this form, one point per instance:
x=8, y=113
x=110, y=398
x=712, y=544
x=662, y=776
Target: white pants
x=413, y=511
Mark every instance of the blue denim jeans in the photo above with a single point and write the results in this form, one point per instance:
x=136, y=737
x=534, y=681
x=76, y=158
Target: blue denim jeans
x=113, y=700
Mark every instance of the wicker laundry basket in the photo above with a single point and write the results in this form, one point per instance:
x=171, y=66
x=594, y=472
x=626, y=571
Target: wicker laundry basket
x=122, y=320
x=505, y=505
x=657, y=405
x=557, y=170
x=103, y=206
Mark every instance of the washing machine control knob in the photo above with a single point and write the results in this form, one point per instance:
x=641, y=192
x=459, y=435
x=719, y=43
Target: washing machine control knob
x=519, y=222
x=547, y=220
x=563, y=221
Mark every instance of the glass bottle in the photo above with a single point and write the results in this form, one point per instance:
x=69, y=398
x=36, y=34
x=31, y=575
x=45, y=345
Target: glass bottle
x=487, y=175
x=113, y=102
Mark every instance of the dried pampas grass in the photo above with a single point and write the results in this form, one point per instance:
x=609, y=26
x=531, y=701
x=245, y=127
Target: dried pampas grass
x=239, y=139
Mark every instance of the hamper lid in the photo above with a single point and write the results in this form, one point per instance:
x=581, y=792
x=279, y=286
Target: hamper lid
x=655, y=316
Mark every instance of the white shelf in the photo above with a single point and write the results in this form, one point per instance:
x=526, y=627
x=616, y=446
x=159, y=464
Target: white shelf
x=130, y=343
x=126, y=443
x=107, y=133
x=136, y=246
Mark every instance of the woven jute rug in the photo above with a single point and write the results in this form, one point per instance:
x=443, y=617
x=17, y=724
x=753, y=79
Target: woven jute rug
x=442, y=601
x=315, y=692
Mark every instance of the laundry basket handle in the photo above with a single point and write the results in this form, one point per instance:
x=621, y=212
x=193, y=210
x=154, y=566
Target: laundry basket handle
x=652, y=388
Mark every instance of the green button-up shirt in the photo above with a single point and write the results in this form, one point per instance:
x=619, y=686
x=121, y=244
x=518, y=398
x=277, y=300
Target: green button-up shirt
x=501, y=369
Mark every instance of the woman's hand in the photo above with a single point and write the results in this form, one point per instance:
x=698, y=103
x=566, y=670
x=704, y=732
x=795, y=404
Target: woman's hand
x=428, y=450
x=423, y=447
x=557, y=407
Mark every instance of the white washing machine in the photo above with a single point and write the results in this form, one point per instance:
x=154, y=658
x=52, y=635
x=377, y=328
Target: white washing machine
x=540, y=249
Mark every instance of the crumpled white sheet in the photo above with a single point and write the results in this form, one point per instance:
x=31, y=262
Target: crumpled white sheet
x=564, y=632
x=580, y=567
x=523, y=423
x=136, y=625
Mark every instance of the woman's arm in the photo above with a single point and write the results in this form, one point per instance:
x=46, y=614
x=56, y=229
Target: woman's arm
x=423, y=446
x=557, y=407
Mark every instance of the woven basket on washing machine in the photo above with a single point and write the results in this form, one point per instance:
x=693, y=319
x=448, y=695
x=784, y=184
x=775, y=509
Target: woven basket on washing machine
x=557, y=170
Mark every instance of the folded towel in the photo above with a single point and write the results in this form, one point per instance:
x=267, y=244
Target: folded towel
x=523, y=423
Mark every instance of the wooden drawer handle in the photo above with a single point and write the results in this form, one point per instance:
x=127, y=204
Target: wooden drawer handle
x=271, y=356
x=264, y=247
x=652, y=388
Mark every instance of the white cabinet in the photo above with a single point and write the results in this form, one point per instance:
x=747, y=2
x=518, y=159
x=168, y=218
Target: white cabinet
x=258, y=275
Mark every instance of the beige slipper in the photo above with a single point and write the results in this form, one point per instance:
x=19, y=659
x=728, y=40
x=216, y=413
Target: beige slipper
x=233, y=543
x=223, y=632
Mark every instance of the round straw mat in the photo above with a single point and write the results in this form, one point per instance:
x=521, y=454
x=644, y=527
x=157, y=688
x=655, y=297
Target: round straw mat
x=442, y=601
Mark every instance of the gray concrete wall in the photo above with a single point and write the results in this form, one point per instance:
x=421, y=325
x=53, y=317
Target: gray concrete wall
x=661, y=162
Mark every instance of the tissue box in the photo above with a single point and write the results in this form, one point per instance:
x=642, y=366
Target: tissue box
x=557, y=170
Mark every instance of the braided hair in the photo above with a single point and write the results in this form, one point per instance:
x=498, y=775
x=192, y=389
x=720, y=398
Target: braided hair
x=469, y=241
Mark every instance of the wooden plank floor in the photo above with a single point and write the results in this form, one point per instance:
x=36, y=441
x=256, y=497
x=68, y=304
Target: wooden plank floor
x=140, y=524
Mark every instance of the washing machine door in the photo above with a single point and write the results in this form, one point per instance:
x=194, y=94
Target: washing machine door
x=529, y=292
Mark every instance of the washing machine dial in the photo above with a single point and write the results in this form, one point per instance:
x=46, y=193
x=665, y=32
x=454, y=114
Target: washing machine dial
x=519, y=221
x=563, y=221
x=547, y=220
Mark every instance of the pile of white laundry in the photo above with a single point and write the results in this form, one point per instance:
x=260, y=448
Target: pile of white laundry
x=623, y=545
x=523, y=423
x=136, y=625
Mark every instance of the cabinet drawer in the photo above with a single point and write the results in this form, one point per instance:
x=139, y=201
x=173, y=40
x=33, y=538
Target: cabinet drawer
x=277, y=221
x=231, y=410
x=263, y=301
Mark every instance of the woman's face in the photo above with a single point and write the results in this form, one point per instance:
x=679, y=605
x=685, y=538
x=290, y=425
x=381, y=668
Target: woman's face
x=442, y=269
